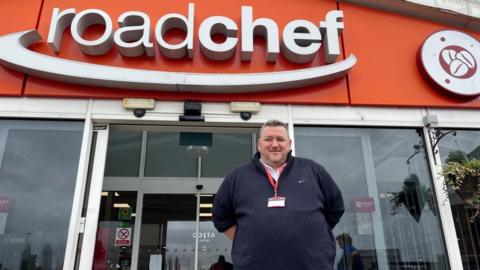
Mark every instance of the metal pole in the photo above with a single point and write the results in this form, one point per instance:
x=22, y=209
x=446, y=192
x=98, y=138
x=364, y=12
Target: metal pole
x=197, y=223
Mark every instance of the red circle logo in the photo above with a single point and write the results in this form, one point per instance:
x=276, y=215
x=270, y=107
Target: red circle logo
x=450, y=58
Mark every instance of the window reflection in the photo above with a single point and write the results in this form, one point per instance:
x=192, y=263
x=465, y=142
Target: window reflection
x=467, y=227
x=38, y=167
x=220, y=159
x=167, y=239
x=212, y=244
x=168, y=221
x=170, y=156
x=113, y=246
x=123, y=153
x=167, y=158
x=390, y=214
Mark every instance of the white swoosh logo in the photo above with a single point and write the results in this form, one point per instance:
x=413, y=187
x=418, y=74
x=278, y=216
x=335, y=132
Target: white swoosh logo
x=15, y=55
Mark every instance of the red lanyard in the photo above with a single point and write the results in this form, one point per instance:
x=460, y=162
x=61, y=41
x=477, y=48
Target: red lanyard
x=270, y=177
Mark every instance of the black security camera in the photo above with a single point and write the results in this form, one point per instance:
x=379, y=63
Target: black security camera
x=245, y=116
x=139, y=112
x=199, y=187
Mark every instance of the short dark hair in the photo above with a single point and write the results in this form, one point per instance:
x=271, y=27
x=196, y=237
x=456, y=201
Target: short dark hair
x=274, y=123
x=345, y=238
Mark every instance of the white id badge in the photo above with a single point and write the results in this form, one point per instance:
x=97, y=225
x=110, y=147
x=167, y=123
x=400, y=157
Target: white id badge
x=276, y=202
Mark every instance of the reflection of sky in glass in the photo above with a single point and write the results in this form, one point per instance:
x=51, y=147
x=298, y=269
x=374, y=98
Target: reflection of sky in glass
x=163, y=153
x=467, y=141
x=352, y=156
x=123, y=153
x=181, y=243
x=38, y=170
x=164, y=150
x=468, y=233
x=220, y=160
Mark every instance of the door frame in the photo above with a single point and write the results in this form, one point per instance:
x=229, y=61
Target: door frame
x=142, y=185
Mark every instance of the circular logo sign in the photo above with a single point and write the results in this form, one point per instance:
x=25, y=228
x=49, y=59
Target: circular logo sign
x=451, y=58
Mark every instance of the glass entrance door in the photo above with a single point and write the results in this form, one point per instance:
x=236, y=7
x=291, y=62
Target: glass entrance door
x=168, y=229
x=169, y=235
x=156, y=197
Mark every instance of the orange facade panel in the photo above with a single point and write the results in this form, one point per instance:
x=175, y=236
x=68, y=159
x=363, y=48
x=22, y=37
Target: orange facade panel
x=16, y=16
x=386, y=45
x=387, y=71
x=334, y=92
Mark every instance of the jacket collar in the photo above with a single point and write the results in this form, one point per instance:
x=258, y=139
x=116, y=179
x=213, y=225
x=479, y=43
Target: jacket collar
x=290, y=161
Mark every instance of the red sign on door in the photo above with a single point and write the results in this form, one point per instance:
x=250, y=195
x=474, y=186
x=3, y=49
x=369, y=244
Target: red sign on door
x=123, y=237
x=364, y=204
x=4, y=202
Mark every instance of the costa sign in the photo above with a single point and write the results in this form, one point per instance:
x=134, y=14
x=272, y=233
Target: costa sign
x=300, y=41
x=450, y=59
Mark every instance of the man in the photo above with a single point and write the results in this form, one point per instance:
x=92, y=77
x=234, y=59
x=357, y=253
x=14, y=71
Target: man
x=221, y=264
x=351, y=259
x=279, y=210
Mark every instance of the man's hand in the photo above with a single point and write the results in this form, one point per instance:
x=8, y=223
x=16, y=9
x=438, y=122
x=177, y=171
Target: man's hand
x=230, y=232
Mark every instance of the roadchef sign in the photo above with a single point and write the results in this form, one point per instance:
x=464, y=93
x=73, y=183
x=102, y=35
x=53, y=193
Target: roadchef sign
x=300, y=41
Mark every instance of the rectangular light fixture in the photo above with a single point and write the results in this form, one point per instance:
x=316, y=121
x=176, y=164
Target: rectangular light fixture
x=241, y=106
x=205, y=214
x=206, y=205
x=138, y=103
x=105, y=194
x=121, y=205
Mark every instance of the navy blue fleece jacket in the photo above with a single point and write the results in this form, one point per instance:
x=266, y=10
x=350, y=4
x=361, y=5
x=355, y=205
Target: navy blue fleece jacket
x=296, y=237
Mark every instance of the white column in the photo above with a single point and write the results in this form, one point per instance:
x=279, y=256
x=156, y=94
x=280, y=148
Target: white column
x=446, y=217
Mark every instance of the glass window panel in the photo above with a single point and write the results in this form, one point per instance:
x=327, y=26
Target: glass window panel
x=116, y=226
x=228, y=150
x=123, y=153
x=211, y=243
x=466, y=224
x=167, y=158
x=38, y=170
x=384, y=176
x=167, y=239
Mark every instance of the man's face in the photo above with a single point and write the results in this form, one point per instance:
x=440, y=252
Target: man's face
x=274, y=145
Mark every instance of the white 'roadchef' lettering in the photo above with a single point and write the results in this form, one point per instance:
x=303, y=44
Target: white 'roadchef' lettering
x=301, y=39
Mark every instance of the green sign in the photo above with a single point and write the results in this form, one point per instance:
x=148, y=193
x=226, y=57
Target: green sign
x=125, y=213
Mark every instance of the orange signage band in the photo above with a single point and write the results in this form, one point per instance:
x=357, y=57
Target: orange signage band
x=301, y=52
